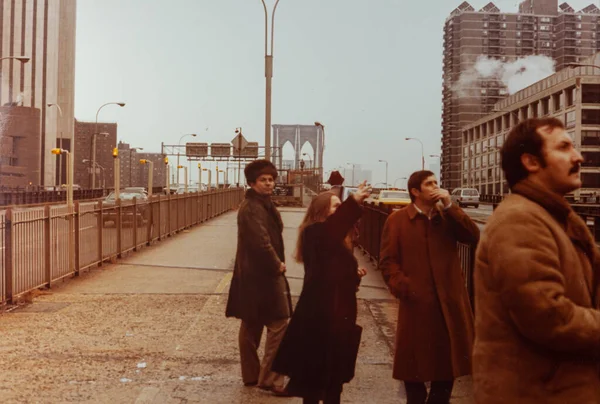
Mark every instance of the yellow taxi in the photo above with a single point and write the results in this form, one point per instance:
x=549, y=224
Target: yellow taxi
x=396, y=197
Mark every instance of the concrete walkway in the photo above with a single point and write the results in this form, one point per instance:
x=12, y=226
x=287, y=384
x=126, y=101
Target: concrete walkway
x=151, y=329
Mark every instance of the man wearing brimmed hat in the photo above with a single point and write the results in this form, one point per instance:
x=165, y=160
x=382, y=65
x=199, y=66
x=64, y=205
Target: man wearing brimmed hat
x=259, y=293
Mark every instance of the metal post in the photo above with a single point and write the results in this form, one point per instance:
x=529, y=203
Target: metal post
x=93, y=167
x=186, y=179
x=217, y=178
x=168, y=182
x=268, y=76
x=199, y=177
x=177, y=167
x=150, y=174
x=117, y=177
x=239, y=158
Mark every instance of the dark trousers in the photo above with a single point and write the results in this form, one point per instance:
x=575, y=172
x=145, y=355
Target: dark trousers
x=333, y=395
x=440, y=392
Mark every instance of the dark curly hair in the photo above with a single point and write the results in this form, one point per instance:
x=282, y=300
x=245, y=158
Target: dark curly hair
x=257, y=168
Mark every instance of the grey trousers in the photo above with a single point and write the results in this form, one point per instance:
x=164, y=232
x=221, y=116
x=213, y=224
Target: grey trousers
x=249, y=339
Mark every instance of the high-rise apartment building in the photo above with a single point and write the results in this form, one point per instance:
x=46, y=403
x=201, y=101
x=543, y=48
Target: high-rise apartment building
x=541, y=27
x=44, y=32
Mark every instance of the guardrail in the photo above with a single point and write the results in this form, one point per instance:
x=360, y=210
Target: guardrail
x=12, y=197
x=40, y=245
x=370, y=229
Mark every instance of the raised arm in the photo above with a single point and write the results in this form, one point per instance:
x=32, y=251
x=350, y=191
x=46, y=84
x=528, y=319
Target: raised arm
x=465, y=229
x=531, y=287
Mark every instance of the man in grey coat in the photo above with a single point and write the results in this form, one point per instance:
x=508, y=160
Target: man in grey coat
x=259, y=294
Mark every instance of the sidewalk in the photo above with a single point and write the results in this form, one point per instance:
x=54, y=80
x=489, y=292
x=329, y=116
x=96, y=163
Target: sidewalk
x=152, y=329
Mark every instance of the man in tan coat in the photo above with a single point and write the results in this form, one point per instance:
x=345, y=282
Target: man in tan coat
x=537, y=323
x=419, y=262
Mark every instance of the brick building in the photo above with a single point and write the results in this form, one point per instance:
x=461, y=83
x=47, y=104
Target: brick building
x=106, y=141
x=541, y=27
x=135, y=174
x=19, y=146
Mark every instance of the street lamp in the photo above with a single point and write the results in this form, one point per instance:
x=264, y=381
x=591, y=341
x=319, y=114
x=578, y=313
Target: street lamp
x=268, y=76
x=117, y=172
x=574, y=65
x=422, y=154
x=185, y=184
x=150, y=172
x=319, y=124
x=131, y=150
x=209, y=186
x=121, y=104
x=22, y=59
x=101, y=170
x=312, y=166
x=396, y=180
x=58, y=152
x=179, y=153
x=386, y=172
x=59, y=142
x=168, y=187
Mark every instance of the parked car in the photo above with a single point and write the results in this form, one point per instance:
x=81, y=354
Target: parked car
x=181, y=190
x=465, y=197
x=393, y=197
x=135, y=189
x=142, y=213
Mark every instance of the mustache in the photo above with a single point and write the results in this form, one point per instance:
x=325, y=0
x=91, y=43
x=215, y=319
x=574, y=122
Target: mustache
x=575, y=169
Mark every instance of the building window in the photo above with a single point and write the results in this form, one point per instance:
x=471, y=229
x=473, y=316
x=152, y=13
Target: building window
x=499, y=141
x=590, y=94
x=544, y=28
x=590, y=138
x=466, y=164
x=590, y=180
x=569, y=96
x=556, y=102
x=591, y=159
x=570, y=119
x=590, y=117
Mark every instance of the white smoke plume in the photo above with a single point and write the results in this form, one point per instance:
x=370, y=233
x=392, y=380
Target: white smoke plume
x=515, y=75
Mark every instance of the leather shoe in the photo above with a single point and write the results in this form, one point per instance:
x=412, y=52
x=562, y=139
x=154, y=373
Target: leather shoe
x=280, y=391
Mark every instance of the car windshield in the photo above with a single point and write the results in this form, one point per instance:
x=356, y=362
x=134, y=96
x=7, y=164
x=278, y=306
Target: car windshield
x=394, y=195
x=126, y=196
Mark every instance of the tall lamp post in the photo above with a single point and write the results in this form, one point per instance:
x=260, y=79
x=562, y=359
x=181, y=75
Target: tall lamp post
x=131, y=150
x=150, y=173
x=268, y=76
x=185, y=184
x=396, y=180
x=167, y=167
x=179, y=153
x=386, y=173
x=58, y=152
x=422, y=154
x=209, y=185
x=59, y=180
x=102, y=170
x=320, y=125
x=93, y=170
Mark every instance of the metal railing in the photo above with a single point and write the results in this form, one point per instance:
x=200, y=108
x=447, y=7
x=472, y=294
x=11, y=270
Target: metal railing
x=40, y=245
x=34, y=197
x=370, y=229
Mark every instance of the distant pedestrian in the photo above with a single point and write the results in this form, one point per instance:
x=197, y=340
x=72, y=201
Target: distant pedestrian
x=259, y=293
x=319, y=349
x=419, y=263
x=537, y=277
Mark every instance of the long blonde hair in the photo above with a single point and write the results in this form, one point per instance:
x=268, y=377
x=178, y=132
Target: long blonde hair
x=318, y=211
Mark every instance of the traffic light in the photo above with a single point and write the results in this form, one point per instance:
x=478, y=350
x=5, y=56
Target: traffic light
x=115, y=152
x=56, y=151
x=143, y=161
x=166, y=160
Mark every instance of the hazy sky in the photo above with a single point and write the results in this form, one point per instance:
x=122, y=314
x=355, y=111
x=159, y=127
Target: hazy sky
x=369, y=70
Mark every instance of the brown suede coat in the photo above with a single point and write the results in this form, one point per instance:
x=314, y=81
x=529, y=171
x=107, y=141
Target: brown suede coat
x=536, y=299
x=419, y=262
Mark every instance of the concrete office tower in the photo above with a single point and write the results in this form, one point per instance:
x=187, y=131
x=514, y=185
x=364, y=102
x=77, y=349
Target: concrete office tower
x=44, y=31
x=478, y=42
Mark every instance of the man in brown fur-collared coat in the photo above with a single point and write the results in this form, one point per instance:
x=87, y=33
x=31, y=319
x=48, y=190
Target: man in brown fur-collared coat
x=259, y=294
x=419, y=262
x=537, y=324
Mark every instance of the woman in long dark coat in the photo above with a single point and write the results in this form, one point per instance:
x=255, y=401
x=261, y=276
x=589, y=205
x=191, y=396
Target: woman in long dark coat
x=319, y=349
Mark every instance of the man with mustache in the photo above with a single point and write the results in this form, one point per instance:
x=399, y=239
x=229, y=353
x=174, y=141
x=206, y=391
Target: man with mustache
x=537, y=323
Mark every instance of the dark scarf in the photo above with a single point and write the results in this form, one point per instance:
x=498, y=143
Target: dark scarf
x=560, y=209
x=267, y=202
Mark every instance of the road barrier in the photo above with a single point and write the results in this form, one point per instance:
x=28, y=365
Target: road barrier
x=369, y=240
x=43, y=244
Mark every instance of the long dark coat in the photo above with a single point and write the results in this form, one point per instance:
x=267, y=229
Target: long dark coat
x=326, y=311
x=259, y=292
x=419, y=262
x=537, y=292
